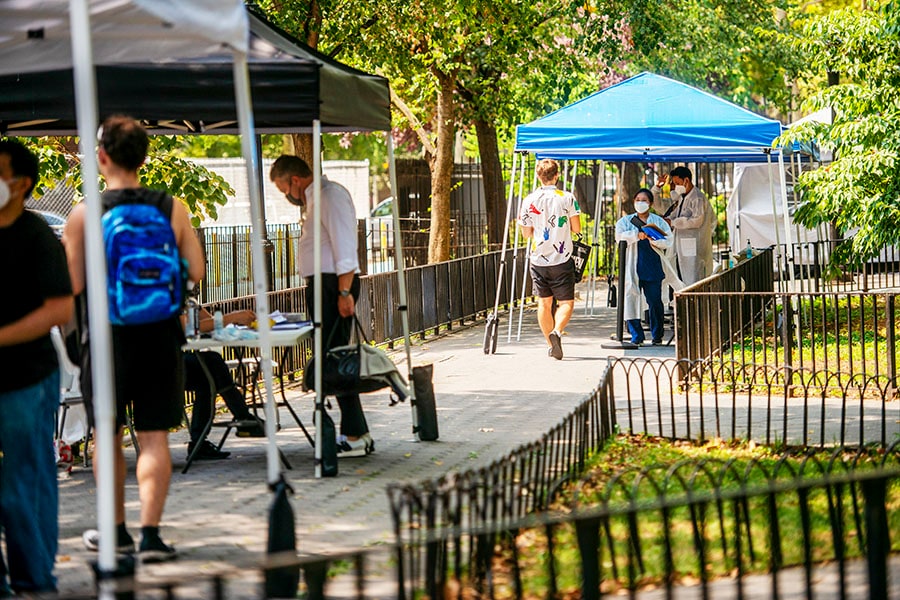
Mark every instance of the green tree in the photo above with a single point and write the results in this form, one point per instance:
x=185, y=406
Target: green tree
x=202, y=190
x=860, y=188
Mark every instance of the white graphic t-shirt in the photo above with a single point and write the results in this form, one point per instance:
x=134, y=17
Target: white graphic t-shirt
x=548, y=210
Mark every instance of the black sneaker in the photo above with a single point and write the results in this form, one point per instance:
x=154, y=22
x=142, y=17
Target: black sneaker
x=555, y=346
x=207, y=451
x=91, y=539
x=254, y=427
x=154, y=550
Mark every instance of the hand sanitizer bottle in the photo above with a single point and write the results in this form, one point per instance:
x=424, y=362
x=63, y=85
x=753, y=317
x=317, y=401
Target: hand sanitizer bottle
x=218, y=323
x=749, y=250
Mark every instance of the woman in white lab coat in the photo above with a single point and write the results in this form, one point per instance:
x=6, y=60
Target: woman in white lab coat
x=646, y=266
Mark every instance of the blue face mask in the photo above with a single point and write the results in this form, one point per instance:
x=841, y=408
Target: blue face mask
x=641, y=206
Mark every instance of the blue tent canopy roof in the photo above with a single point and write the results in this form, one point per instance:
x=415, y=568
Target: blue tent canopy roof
x=650, y=118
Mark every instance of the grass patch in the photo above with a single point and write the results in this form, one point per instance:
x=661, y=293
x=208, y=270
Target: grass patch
x=642, y=546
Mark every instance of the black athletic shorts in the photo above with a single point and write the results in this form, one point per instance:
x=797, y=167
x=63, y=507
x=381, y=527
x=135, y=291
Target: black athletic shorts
x=556, y=280
x=149, y=376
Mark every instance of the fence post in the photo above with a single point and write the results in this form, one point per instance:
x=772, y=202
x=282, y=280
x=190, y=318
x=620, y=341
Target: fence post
x=891, y=311
x=234, y=265
x=877, y=542
x=787, y=319
x=587, y=532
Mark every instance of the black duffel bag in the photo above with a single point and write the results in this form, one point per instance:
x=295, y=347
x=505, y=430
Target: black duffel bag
x=340, y=371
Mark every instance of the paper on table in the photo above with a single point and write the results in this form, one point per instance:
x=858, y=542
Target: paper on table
x=289, y=325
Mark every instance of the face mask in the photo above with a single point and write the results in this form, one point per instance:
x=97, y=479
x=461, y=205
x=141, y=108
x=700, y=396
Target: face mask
x=680, y=190
x=294, y=200
x=641, y=207
x=4, y=193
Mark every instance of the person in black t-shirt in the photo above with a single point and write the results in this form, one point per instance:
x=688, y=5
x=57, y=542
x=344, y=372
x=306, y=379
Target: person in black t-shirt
x=34, y=267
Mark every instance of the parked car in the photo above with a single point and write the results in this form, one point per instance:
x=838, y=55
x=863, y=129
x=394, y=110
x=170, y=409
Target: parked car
x=56, y=222
x=380, y=237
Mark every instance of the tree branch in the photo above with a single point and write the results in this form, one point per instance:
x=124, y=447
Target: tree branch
x=414, y=123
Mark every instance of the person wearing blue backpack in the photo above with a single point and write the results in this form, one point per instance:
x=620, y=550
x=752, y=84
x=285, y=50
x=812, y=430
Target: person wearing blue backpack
x=151, y=251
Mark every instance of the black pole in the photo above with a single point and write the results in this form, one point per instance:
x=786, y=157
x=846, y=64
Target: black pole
x=620, y=301
x=619, y=342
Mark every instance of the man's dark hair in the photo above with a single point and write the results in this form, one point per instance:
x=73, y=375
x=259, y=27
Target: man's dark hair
x=125, y=141
x=682, y=172
x=287, y=166
x=22, y=161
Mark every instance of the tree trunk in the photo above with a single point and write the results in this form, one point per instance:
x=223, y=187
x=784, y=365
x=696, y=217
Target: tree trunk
x=299, y=145
x=492, y=178
x=441, y=165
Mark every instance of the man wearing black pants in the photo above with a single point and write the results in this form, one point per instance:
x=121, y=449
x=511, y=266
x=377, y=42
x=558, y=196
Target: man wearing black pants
x=196, y=380
x=340, y=279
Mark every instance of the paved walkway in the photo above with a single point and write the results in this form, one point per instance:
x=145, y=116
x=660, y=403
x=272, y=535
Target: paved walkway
x=217, y=514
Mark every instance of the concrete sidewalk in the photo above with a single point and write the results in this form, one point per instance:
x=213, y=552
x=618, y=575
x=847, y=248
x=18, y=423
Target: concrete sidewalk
x=217, y=514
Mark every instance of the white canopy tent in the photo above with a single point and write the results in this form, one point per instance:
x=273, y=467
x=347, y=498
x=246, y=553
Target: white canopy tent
x=750, y=216
x=45, y=35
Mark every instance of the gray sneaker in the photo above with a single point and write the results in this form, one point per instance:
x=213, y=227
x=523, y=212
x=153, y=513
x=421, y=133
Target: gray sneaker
x=91, y=539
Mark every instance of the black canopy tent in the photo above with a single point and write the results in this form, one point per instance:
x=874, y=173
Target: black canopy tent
x=295, y=89
x=292, y=84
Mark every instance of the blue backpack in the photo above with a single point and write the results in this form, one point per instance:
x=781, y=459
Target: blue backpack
x=144, y=268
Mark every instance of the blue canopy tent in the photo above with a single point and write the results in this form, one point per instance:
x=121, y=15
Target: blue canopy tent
x=650, y=118
x=646, y=118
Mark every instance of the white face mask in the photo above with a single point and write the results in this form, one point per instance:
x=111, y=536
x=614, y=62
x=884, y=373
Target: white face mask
x=641, y=207
x=4, y=193
x=680, y=190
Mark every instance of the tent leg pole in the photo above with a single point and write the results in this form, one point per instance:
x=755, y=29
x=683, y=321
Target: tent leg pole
x=400, y=267
x=595, y=244
x=775, y=219
x=317, y=292
x=515, y=253
x=100, y=331
x=260, y=271
x=522, y=298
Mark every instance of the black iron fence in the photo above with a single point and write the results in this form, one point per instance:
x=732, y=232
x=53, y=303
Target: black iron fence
x=846, y=334
x=807, y=524
x=678, y=399
x=699, y=528
x=701, y=329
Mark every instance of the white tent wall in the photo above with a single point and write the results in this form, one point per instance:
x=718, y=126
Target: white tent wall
x=749, y=212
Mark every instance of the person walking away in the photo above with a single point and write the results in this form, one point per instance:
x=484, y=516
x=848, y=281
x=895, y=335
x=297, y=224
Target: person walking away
x=149, y=369
x=549, y=217
x=692, y=218
x=34, y=264
x=340, y=278
x=646, y=266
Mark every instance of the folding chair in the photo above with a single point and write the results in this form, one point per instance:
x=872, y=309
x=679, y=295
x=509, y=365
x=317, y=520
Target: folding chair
x=70, y=399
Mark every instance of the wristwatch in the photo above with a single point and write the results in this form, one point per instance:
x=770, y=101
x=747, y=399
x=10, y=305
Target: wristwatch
x=344, y=293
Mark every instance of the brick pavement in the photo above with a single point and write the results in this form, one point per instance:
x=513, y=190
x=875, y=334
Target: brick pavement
x=216, y=514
